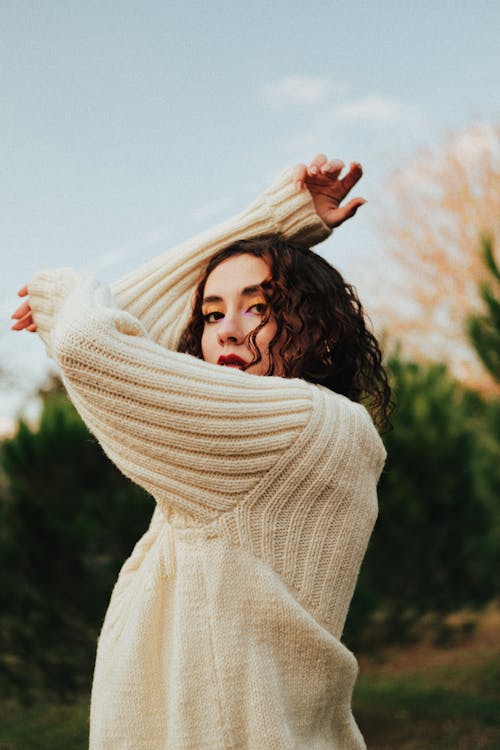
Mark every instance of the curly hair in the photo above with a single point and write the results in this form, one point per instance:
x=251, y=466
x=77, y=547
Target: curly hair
x=321, y=328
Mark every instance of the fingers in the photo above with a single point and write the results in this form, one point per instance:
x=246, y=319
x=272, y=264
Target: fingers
x=347, y=212
x=352, y=177
x=316, y=164
x=23, y=316
x=321, y=167
x=353, y=205
x=333, y=168
x=24, y=322
x=299, y=176
x=21, y=311
x=23, y=291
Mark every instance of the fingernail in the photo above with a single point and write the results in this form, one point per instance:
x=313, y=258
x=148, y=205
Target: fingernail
x=313, y=170
x=298, y=184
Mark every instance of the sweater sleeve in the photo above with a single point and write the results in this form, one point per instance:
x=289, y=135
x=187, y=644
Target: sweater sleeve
x=196, y=436
x=159, y=293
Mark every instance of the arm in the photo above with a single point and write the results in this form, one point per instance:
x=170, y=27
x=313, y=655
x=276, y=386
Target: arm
x=194, y=435
x=303, y=204
x=159, y=293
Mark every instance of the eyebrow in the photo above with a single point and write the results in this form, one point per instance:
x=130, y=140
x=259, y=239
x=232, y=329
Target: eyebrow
x=246, y=292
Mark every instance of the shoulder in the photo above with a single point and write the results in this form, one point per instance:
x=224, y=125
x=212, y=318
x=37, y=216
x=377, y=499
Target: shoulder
x=352, y=424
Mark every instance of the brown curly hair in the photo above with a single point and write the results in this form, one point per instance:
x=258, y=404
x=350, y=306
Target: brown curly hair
x=321, y=326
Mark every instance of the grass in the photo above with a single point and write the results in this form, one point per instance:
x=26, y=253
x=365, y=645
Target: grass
x=446, y=709
x=45, y=726
x=428, y=698
x=419, y=698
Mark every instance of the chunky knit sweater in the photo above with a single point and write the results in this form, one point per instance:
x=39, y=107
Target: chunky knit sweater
x=223, y=630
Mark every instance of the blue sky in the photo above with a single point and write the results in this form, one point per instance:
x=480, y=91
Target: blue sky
x=129, y=126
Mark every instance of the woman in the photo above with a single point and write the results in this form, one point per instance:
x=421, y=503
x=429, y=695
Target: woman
x=224, y=627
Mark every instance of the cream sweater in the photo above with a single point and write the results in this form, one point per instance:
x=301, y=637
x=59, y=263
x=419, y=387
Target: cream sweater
x=223, y=630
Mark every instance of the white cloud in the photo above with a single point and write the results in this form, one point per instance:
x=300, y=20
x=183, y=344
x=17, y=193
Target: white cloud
x=372, y=129
x=299, y=90
x=380, y=110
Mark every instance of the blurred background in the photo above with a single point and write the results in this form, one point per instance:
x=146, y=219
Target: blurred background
x=127, y=127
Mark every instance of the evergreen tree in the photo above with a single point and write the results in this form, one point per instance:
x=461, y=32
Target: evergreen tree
x=484, y=330
x=434, y=546
x=69, y=519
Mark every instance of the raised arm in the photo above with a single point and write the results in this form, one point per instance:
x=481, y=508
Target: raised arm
x=303, y=203
x=196, y=436
x=159, y=293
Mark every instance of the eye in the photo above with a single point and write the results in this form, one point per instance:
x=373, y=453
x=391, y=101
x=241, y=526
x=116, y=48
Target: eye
x=212, y=317
x=259, y=308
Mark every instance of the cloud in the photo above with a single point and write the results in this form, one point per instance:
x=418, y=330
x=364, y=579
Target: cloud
x=299, y=90
x=372, y=128
x=379, y=110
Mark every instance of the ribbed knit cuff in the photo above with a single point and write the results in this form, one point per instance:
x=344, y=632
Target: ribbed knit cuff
x=48, y=291
x=293, y=211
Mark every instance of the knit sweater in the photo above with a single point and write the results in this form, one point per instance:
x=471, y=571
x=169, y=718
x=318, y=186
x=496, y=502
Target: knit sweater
x=223, y=629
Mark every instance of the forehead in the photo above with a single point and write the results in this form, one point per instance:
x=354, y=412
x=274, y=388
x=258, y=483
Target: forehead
x=234, y=274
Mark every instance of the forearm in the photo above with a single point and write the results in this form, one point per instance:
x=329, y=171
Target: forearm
x=159, y=293
x=165, y=419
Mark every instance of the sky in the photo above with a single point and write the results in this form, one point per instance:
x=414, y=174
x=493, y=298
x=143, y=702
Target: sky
x=127, y=127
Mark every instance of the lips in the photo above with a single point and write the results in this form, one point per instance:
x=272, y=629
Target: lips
x=231, y=360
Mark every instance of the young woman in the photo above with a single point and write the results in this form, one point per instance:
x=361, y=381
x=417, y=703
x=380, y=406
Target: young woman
x=224, y=626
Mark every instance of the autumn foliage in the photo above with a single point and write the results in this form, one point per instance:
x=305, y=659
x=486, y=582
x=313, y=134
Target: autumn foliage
x=437, y=211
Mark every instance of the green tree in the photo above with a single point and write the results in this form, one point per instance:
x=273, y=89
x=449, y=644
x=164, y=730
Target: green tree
x=433, y=550
x=68, y=521
x=484, y=330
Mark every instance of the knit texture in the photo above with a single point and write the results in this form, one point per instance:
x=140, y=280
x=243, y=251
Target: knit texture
x=224, y=626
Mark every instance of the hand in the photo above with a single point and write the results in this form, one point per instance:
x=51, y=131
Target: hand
x=322, y=179
x=23, y=314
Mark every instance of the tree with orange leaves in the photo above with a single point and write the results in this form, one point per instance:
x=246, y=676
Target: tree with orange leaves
x=440, y=207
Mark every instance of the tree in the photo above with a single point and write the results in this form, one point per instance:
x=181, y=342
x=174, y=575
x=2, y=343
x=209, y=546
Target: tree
x=435, y=546
x=435, y=211
x=484, y=330
x=68, y=521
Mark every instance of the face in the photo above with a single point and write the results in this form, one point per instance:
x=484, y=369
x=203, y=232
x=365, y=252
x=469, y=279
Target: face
x=233, y=306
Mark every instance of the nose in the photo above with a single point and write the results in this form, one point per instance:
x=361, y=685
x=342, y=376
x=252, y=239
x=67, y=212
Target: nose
x=230, y=330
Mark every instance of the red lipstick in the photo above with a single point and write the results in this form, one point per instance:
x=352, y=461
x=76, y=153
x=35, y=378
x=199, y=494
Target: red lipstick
x=231, y=360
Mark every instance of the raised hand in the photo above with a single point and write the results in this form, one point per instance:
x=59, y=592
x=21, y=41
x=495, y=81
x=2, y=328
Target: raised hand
x=23, y=314
x=328, y=189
